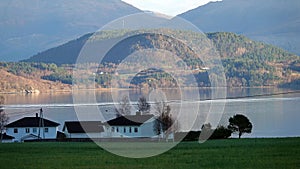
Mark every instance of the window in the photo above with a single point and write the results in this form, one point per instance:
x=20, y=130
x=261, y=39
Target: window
x=117, y=129
x=129, y=129
x=136, y=129
x=46, y=130
x=15, y=130
x=124, y=129
x=27, y=130
x=113, y=129
x=34, y=130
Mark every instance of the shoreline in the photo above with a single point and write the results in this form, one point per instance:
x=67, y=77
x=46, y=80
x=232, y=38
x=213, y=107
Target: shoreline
x=123, y=89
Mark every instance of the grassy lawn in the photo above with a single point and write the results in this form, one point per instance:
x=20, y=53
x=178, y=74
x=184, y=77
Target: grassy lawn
x=233, y=153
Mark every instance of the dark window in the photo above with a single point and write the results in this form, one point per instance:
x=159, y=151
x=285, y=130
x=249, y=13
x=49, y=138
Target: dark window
x=129, y=129
x=136, y=129
x=117, y=129
x=124, y=129
x=27, y=130
x=46, y=130
x=15, y=130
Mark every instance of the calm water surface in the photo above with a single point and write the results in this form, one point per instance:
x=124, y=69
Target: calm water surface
x=272, y=116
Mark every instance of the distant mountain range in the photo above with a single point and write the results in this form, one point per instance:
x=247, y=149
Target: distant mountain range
x=229, y=45
x=29, y=27
x=246, y=62
x=275, y=22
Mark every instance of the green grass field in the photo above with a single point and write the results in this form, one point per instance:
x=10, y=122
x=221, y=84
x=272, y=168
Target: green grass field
x=232, y=153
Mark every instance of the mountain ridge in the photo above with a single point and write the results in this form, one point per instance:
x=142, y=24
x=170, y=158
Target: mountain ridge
x=246, y=62
x=27, y=28
x=273, y=22
x=68, y=52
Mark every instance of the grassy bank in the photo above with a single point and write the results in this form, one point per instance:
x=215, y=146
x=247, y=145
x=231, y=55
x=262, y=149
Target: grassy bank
x=233, y=153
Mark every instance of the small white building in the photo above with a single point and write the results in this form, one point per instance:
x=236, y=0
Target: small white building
x=131, y=126
x=83, y=129
x=29, y=128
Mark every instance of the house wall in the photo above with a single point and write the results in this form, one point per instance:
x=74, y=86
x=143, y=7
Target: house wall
x=147, y=129
x=51, y=134
x=118, y=131
x=83, y=135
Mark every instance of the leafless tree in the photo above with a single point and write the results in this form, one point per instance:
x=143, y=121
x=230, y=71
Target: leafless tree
x=143, y=105
x=164, y=123
x=3, y=118
x=124, y=107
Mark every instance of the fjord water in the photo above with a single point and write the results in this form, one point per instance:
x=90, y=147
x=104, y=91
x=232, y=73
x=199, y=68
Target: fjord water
x=271, y=115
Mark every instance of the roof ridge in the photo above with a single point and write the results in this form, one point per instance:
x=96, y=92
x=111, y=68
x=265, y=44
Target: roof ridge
x=32, y=122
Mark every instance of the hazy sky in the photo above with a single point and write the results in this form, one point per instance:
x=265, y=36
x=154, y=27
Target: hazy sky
x=169, y=7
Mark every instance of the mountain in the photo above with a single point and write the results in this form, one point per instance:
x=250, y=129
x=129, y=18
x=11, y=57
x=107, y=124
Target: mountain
x=246, y=62
x=64, y=54
x=229, y=45
x=275, y=22
x=28, y=27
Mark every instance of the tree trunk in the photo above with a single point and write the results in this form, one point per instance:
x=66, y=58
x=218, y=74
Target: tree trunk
x=1, y=138
x=240, y=134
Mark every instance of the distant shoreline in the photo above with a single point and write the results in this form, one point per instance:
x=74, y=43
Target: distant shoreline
x=119, y=89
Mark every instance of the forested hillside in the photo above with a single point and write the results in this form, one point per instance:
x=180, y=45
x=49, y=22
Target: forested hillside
x=247, y=63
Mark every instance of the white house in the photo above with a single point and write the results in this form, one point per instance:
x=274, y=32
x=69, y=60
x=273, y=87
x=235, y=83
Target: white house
x=131, y=126
x=30, y=128
x=83, y=129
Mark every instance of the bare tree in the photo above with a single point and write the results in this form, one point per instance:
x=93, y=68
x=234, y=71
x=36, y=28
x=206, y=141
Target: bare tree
x=3, y=118
x=165, y=123
x=143, y=105
x=124, y=107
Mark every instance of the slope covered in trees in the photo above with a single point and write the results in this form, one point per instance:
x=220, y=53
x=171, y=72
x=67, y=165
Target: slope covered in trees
x=247, y=63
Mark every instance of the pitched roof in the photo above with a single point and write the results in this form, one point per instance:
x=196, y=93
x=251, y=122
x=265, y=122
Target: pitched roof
x=6, y=137
x=32, y=122
x=83, y=126
x=130, y=120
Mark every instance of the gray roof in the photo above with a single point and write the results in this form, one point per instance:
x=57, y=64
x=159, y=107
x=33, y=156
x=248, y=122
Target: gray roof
x=130, y=120
x=83, y=126
x=32, y=122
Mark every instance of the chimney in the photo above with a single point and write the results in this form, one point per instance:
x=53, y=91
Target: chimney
x=138, y=113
